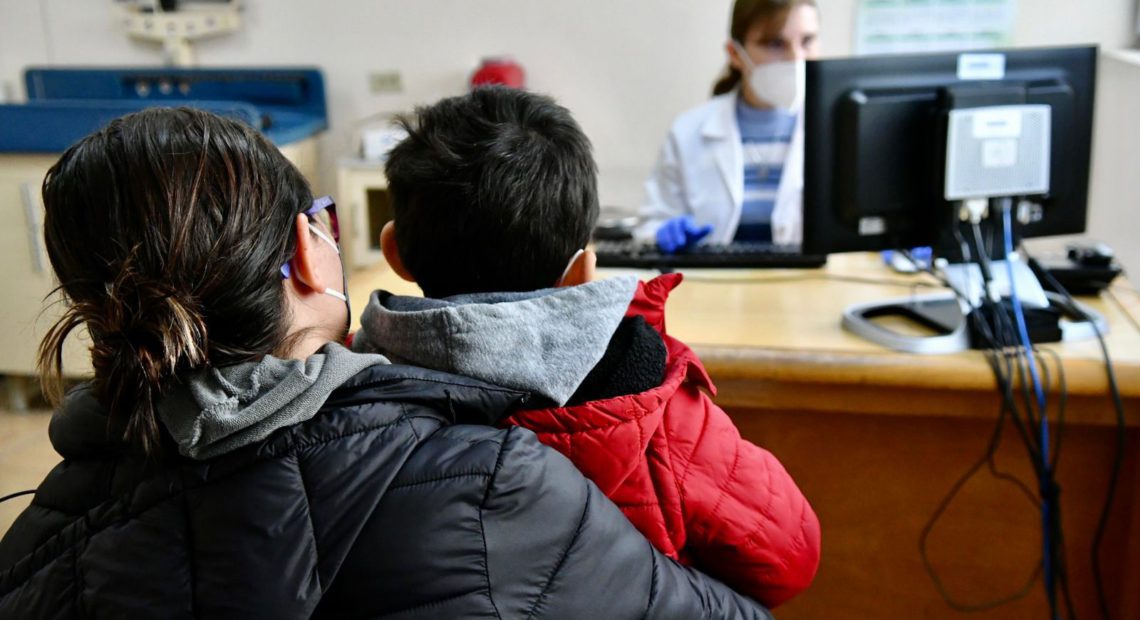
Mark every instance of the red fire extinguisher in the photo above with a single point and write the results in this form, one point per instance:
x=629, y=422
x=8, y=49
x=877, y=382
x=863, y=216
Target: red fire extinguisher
x=503, y=71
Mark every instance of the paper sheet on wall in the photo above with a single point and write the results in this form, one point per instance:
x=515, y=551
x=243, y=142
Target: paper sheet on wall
x=910, y=26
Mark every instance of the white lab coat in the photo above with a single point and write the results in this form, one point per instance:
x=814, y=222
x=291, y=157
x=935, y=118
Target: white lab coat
x=700, y=172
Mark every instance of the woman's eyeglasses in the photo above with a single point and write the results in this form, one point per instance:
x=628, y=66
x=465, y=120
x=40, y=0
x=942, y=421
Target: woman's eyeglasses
x=323, y=212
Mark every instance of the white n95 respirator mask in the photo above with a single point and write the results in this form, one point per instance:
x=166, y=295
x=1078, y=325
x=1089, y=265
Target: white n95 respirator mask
x=780, y=84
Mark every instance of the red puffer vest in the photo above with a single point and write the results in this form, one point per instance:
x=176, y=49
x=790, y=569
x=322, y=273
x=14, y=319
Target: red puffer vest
x=677, y=467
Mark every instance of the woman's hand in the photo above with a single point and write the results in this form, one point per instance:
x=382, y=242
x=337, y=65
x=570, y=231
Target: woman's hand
x=680, y=233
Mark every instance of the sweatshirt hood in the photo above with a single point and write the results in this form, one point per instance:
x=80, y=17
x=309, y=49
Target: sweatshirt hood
x=544, y=342
x=217, y=410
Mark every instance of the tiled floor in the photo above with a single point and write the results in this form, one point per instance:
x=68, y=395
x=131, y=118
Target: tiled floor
x=26, y=457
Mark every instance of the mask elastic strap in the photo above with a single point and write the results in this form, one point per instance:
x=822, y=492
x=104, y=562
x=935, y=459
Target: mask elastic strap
x=328, y=291
x=744, y=57
x=317, y=231
x=569, y=264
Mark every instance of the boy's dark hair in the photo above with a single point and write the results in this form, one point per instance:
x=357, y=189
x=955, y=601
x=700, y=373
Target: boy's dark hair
x=492, y=191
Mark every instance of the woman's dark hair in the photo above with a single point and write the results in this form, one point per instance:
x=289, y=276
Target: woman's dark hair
x=492, y=191
x=745, y=15
x=167, y=230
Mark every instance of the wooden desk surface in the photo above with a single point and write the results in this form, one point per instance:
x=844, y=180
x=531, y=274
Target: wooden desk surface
x=772, y=339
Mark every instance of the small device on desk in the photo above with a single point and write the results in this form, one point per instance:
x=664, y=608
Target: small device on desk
x=740, y=255
x=1086, y=269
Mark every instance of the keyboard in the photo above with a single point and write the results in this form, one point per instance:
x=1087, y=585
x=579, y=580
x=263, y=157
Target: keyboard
x=738, y=255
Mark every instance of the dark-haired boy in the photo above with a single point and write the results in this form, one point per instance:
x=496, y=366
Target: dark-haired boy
x=495, y=197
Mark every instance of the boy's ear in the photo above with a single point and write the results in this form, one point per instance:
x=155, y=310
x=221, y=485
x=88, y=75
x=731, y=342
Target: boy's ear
x=304, y=263
x=392, y=253
x=583, y=269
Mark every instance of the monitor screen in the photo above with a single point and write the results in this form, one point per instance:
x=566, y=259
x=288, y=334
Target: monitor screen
x=876, y=142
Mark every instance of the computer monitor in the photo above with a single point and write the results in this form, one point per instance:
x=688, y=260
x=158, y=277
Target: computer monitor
x=876, y=143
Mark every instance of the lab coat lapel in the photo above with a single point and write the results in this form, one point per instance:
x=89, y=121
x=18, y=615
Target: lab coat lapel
x=722, y=136
x=787, y=217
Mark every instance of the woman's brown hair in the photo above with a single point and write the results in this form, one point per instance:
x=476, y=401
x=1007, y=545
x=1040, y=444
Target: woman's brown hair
x=166, y=231
x=745, y=15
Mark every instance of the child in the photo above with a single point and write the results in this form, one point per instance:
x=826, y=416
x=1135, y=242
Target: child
x=495, y=196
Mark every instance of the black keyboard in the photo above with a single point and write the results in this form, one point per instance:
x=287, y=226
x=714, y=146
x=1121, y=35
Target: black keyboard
x=739, y=255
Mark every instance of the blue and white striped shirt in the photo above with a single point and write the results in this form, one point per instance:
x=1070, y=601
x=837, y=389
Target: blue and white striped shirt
x=766, y=136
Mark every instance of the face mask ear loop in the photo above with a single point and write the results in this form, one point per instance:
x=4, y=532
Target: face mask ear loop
x=569, y=265
x=317, y=231
x=328, y=291
x=744, y=58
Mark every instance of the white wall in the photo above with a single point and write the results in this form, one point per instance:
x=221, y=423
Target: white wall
x=1115, y=193
x=624, y=67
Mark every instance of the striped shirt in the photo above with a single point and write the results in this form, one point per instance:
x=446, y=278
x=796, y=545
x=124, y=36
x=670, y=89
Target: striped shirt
x=765, y=136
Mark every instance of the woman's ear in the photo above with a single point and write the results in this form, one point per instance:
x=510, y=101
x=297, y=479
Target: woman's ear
x=391, y=251
x=730, y=48
x=581, y=270
x=304, y=263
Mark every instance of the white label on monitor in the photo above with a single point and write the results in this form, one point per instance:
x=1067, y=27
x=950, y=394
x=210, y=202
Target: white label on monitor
x=872, y=226
x=997, y=123
x=981, y=66
x=1000, y=153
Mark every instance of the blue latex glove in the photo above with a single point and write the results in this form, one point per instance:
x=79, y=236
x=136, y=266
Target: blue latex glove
x=679, y=233
x=898, y=262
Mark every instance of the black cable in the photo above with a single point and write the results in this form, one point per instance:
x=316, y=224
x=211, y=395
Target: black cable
x=1123, y=309
x=1046, y=476
x=1002, y=358
x=1062, y=402
x=15, y=495
x=1001, y=364
x=1004, y=339
x=1118, y=458
x=1057, y=534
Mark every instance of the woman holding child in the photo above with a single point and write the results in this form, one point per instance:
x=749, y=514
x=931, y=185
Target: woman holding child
x=229, y=459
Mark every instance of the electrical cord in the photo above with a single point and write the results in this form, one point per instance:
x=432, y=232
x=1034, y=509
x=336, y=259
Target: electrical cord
x=1123, y=309
x=1118, y=457
x=1008, y=360
x=15, y=495
x=1049, y=489
x=1048, y=509
x=1001, y=363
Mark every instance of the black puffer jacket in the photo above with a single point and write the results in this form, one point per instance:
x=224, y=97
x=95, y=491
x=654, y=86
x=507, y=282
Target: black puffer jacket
x=377, y=507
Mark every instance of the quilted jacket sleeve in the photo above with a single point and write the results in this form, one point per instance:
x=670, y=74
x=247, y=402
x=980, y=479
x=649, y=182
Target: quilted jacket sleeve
x=747, y=522
x=557, y=548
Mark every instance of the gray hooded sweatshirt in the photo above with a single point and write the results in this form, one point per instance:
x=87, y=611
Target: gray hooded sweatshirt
x=218, y=410
x=544, y=342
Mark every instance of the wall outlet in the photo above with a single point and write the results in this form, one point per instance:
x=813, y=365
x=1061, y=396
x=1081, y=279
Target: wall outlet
x=385, y=82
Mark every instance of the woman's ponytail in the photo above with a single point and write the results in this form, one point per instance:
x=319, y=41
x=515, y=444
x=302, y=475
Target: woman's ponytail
x=728, y=82
x=142, y=336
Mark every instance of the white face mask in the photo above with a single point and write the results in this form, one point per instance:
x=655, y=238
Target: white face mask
x=780, y=84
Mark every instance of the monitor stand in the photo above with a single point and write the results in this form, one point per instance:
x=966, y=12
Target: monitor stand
x=945, y=313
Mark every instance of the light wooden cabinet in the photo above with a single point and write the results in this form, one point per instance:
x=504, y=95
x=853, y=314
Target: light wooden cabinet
x=363, y=206
x=28, y=306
